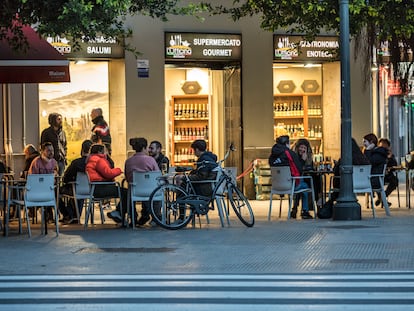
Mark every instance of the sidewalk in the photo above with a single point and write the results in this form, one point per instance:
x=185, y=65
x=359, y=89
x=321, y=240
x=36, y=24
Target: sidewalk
x=279, y=246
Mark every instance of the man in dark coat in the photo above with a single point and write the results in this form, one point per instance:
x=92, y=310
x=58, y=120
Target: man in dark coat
x=56, y=135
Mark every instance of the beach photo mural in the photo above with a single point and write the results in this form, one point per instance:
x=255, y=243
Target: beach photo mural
x=75, y=100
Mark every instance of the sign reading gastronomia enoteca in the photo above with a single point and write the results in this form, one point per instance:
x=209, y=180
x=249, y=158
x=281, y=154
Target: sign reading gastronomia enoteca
x=99, y=47
x=202, y=46
x=296, y=48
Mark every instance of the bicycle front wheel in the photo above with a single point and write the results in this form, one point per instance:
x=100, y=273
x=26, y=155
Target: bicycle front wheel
x=166, y=211
x=241, y=205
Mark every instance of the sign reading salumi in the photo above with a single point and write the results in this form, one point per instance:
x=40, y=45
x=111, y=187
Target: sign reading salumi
x=201, y=46
x=96, y=48
x=296, y=48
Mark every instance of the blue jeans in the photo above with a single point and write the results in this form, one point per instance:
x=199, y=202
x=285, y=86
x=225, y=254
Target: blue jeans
x=304, y=196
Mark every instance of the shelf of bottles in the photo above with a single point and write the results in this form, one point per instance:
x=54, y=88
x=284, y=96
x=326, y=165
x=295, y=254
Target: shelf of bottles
x=189, y=121
x=299, y=116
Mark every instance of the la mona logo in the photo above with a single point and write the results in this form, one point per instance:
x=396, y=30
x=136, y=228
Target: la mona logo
x=178, y=48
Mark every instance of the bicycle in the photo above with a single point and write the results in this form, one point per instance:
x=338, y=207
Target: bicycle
x=178, y=206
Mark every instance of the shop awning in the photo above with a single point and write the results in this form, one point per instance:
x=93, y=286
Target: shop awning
x=41, y=63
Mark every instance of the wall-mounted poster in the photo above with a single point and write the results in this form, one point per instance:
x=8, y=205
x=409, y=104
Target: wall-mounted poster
x=88, y=89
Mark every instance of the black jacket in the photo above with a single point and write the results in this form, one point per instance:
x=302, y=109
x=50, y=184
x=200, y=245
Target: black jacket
x=77, y=165
x=278, y=157
x=162, y=159
x=378, y=158
x=206, y=168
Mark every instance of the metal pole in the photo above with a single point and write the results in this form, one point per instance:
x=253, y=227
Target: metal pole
x=347, y=206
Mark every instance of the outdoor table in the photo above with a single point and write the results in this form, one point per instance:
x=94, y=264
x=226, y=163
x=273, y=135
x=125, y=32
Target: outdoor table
x=323, y=173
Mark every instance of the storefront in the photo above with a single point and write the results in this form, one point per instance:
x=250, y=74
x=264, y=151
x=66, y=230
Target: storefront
x=97, y=71
x=307, y=93
x=203, y=94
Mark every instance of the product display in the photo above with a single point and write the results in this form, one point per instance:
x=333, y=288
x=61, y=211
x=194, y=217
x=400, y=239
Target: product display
x=299, y=116
x=189, y=120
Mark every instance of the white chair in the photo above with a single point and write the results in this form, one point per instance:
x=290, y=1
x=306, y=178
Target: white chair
x=361, y=179
x=381, y=191
x=81, y=190
x=283, y=183
x=140, y=189
x=39, y=191
x=93, y=199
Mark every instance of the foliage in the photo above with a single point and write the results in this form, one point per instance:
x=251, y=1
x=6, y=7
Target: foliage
x=81, y=18
x=370, y=23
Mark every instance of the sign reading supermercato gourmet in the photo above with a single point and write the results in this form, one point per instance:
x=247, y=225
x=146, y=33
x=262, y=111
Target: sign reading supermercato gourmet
x=296, y=48
x=201, y=46
x=99, y=47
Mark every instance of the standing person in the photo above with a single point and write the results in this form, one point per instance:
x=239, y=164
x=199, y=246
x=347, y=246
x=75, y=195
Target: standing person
x=140, y=162
x=44, y=163
x=281, y=155
x=30, y=153
x=77, y=165
x=154, y=150
x=390, y=178
x=56, y=135
x=100, y=130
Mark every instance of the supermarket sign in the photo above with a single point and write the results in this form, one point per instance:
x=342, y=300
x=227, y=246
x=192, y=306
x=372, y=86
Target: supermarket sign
x=200, y=46
x=296, y=48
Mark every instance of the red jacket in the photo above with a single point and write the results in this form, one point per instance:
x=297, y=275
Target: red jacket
x=98, y=168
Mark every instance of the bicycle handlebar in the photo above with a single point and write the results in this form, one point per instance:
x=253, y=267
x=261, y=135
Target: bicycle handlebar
x=230, y=149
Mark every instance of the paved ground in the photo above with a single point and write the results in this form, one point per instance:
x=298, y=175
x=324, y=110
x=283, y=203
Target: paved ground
x=311, y=250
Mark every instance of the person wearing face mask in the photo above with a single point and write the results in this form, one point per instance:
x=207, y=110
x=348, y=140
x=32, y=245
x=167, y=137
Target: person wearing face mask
x=56, y=135
x=377, y=156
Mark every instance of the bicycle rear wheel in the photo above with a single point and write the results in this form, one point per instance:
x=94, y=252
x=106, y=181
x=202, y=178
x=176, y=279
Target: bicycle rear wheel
x=165, y=209
x=241, y=205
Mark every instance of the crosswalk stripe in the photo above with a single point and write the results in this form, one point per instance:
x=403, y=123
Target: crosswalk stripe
x=196, y=291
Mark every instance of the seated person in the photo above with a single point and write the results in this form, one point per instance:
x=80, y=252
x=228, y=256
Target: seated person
x=303, y=149
x=282, y=156
x=206, y=162
x=44, y=163
x=140, y=162
x=154, y=150
x=30, y=153
x=390, y=178
x=377, y=156
x=77, y=165
x=99, y=169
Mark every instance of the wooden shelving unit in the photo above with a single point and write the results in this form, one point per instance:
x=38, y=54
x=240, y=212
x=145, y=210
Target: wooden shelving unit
x=189, y=120
x=299, y=116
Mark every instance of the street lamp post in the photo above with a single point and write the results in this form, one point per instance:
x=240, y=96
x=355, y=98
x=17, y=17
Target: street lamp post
x=347, y=206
